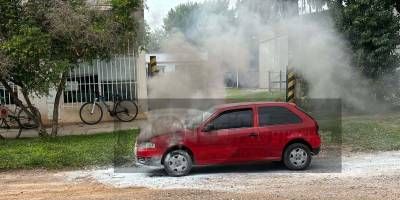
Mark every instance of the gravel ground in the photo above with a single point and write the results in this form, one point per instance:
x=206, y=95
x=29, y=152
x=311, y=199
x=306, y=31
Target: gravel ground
x=363, y=176
x=245, y=178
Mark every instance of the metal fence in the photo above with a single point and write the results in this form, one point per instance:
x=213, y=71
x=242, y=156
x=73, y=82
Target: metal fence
x=5, y=96
x=115, y=76
x=276, y=81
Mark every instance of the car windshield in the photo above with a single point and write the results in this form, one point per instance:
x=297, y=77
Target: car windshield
x=199, y=118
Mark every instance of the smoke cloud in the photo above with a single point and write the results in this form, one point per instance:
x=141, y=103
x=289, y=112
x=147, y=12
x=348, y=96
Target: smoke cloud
x=315, y=49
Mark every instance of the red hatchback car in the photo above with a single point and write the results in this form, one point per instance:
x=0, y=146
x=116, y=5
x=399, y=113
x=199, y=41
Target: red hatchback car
x=236, y=133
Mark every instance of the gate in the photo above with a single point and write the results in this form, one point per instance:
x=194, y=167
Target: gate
x=116, y=76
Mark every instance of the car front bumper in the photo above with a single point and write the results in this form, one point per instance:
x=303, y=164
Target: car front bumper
x=149, y=161
x=149, y=157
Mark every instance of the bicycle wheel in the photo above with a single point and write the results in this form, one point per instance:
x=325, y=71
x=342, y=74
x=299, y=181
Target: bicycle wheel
x=91, y=113
x=25, y=121
x=126, y=111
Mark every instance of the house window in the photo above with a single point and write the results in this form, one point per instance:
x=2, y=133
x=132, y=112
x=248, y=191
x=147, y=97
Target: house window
x=5, y=96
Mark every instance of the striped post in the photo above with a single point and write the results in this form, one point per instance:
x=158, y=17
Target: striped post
x=290, y=86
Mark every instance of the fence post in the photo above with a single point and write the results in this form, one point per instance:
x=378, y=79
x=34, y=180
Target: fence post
x=237, y=78
x=280, y=80
x=269, y=81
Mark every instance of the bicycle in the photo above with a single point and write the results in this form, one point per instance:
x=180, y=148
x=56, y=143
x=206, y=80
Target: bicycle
x=91, y=113
x=18, y=118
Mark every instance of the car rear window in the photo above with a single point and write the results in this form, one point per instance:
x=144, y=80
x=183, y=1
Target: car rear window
x=276, y=115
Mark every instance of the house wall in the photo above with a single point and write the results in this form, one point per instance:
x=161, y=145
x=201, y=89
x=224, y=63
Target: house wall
x=273, y=58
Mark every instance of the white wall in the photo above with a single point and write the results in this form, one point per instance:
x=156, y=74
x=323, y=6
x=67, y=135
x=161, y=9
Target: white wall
x=273, y=57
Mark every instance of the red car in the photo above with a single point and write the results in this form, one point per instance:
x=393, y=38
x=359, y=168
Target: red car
x=236, y=133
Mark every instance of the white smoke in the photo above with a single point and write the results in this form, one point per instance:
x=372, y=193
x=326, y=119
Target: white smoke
x=323, y=59
x=318, y=53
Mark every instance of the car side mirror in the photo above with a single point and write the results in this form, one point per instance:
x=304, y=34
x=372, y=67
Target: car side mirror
x=209, y=127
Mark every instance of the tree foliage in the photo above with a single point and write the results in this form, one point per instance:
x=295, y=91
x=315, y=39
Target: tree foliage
x=154, y=38
x=32, y=68
x=181, y=18
x=190, y=19
x=373, y=31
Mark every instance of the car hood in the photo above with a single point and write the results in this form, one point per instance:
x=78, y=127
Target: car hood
x=169, y=122
x=170, y=136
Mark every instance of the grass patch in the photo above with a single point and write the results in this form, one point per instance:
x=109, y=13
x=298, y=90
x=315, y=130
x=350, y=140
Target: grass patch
x=372, y=133
x=254, y=95
x=67, y=151
x=360, y=133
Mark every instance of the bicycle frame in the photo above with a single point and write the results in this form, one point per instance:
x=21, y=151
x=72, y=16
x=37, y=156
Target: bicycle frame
x=101, y=100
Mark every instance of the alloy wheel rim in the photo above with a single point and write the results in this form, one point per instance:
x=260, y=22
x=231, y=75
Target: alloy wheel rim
x=298, y=157
x=177, y=163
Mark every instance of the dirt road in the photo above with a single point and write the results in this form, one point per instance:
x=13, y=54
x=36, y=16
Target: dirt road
x=363, y=176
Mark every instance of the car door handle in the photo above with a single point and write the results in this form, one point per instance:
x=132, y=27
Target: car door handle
x=253, y=135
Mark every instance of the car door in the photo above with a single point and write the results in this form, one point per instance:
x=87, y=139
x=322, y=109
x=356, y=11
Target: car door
x=231, y=137
x=277, y=124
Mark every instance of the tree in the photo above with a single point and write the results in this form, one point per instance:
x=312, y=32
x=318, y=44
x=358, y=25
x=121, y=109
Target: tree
x=181, y=18
x=154, y=39
x=373, y=31
x=90, y=34
x=191, y=19
x=84, y=36
x=45, y=39
x=26, y=48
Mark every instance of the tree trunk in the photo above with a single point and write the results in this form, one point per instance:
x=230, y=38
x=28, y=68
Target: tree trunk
x=60, y=90
x=36, y=114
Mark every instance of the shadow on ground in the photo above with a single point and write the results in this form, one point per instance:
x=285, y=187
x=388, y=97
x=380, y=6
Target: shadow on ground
x=318, y=166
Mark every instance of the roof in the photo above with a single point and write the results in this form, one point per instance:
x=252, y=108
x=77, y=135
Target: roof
x=229, y=105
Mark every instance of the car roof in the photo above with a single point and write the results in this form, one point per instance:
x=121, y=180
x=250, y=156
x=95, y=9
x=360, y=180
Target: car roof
x=266, y=103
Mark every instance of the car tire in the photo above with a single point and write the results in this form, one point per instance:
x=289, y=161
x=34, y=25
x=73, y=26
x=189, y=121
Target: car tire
x=177, y=163
x=297, y=156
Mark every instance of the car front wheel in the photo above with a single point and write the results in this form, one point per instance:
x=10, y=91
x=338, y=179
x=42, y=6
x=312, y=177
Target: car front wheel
x=177, y=163
x=297, y=156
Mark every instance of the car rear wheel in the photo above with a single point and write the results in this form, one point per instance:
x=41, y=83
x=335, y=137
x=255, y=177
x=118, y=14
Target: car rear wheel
x=177, y=163
x=297, y=156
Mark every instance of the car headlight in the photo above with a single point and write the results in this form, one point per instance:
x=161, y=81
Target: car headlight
x=147, y=145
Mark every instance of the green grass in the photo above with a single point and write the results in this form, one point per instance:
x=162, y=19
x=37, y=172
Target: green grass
x=67, y=152
x=372, y=133
x=254, y=95
x=360, y=133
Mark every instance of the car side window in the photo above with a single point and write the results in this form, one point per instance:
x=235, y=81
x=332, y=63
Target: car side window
x=234, y=119
x=276, y=115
